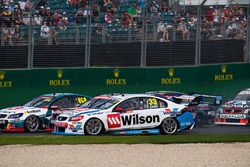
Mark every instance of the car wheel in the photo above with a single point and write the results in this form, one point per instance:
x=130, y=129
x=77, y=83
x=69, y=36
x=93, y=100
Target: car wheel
x=169, y=126
x=31, y=123
x=201, y=119
x=93, y=127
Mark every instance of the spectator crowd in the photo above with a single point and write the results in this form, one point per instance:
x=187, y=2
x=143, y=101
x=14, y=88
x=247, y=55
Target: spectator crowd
x=218, y=22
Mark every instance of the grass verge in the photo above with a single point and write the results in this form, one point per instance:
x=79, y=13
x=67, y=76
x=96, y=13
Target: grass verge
x=155, y=139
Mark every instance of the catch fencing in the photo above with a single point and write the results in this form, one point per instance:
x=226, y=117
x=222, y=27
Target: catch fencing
x=191, y=35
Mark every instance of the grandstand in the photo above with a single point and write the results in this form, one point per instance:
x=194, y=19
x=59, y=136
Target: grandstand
x=77, y=33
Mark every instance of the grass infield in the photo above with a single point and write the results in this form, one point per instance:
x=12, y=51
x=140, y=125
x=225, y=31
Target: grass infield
x=154, y=139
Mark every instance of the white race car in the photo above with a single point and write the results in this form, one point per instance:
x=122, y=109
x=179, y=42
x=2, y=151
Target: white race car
x=36, y=114
x=126, y=114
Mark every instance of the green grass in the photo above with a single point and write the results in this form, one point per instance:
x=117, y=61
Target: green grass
x=155, y=139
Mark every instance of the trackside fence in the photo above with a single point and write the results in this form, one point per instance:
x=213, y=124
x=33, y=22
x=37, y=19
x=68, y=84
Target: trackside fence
x=57, y=34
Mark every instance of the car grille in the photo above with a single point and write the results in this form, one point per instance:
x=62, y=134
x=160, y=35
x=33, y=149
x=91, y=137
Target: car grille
x=233, y=120
x=54, y=116
x=60, y=118
x=3, y=115
x=233, y=110
x=3, y=126
x=61, y=129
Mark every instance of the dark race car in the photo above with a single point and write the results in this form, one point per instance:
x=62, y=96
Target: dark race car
x=236, y=111
x=203, y=105
x=170, y=95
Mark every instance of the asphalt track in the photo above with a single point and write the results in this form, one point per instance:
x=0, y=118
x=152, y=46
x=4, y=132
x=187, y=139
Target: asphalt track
x=205, y=130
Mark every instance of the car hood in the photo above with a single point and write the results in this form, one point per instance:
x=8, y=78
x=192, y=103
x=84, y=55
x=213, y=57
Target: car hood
x=79, y=111
x=236, y=104
x=70, y=111
x=19, y=109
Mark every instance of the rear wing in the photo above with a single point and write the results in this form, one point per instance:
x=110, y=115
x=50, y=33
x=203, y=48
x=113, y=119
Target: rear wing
x=206, y=99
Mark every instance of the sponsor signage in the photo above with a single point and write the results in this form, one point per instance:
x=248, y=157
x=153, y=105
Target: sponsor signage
x=236, y=106
x=135, y=119
x=117, y=120
x=75, y=128
x=4, y=83
x=224, y=75
x=233, y=116
x=59, y=81
x=61, y=124
x=171, y=79
x=116, y=80
x=114, y=121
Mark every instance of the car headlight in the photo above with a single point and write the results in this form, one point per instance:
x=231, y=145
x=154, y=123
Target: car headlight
x=247, y=111
x=76, y=118
x=220, y=110
x=15, y=116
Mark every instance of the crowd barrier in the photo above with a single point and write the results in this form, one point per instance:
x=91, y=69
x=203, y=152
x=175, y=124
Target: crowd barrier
x=123, y=54
x=19, y=86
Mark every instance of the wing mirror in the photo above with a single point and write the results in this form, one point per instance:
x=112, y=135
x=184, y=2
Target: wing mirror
x=218, y=100
x=54, y=107
x=118, y=109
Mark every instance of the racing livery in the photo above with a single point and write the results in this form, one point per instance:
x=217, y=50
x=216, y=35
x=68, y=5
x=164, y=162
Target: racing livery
x=235, y=112
x=170, y=95
x=126, y=114
x=68, y=112
x=37, y=113
x=204, y=106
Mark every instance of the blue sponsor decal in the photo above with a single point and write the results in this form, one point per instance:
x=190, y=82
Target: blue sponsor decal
x=89, y=112
x=137, y=132
x=17, y=123
x=172, y=114
x=185, y=120
x=66, y=133
x=95, y=113
x=75, y=128
x=175, y=109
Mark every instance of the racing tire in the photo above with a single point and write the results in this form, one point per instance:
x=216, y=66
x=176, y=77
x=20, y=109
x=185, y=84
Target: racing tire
x=169, y=126
x=93, y=127
x=32, y=124
x=201, y=120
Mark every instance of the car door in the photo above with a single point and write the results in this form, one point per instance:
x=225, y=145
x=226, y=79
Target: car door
x=124, y=115
x=138, y=113
x=79, y=100
x=61, y=103
x=151, y=112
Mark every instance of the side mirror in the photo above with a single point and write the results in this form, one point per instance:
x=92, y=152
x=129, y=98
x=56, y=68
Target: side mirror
x=118, y=109
x=54, y=107
x=218, y=100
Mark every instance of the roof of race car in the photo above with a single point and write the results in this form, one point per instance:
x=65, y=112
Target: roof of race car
x=245, y=91
x=189, y=97
x=122, y=96
x=174, y=93
x=63, y=94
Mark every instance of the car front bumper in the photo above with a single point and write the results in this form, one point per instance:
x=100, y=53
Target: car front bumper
x=11, y=125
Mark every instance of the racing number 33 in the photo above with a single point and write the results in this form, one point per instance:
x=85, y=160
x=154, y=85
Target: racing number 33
x=152, y=102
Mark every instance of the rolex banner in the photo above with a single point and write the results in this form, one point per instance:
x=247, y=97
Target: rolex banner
x=18, y=86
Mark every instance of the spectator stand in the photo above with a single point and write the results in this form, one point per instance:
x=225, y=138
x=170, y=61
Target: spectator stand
x=116, y=22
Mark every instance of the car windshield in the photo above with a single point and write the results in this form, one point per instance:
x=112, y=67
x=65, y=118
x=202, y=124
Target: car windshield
x=39, y=101
x=97, y=103
x=243, y=97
